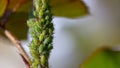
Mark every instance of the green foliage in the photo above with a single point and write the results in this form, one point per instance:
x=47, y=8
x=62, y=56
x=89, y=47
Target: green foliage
x=69, y=8
x=103, y=58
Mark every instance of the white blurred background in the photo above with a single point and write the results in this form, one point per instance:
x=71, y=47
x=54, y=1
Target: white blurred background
x=74, y=39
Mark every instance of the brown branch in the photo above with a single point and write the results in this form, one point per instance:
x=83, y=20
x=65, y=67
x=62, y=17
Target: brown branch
x=26, y=63
x=17, y=44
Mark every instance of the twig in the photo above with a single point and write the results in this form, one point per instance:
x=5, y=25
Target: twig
x=17, y=44
x=26, y=63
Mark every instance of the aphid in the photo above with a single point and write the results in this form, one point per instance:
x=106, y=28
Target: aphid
x=41, y=13
x=47, y=18
x=50, y=31
x=41, y=37
x=50, y=47
x=43, y=60
x=47, y=40
x=30, y=22
x=41, y=48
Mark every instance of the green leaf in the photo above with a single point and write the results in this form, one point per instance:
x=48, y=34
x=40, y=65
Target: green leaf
x=103, y=58
x=3, y=6
x=17, y=22
x=68, y=8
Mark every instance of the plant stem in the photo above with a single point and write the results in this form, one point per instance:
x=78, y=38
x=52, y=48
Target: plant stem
x=17, y=44
x=41, y=30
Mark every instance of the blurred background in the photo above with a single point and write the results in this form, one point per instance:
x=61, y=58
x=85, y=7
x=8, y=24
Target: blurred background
x=81, y=27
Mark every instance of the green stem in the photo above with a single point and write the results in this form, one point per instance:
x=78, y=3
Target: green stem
x=41, y=30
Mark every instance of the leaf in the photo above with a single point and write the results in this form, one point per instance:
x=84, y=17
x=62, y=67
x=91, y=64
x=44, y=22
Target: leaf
x=103, y=58
x=68, y=8
x=3, y=6
x=17, y=21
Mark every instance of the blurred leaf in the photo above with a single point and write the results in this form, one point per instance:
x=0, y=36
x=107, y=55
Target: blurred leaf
x=68, y=8
x=17, y=24
x=17, y=21
x=103, y=58
x=3, y=6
